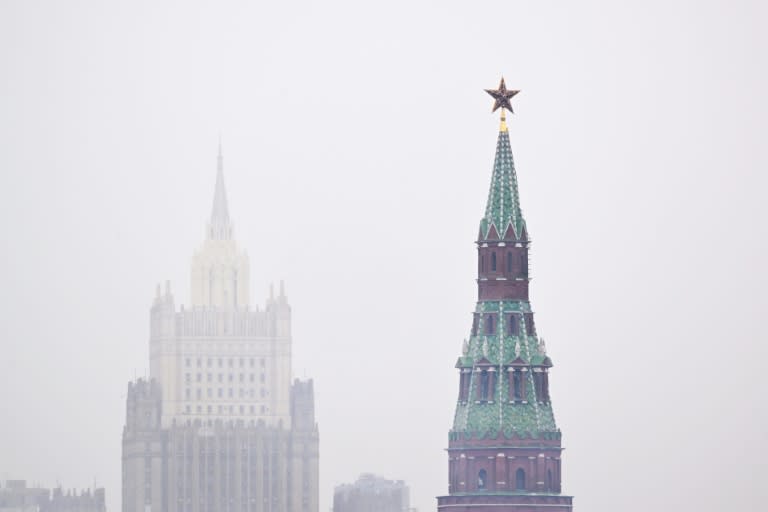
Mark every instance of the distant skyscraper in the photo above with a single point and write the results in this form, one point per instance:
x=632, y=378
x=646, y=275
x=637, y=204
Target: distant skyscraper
x=219, y=427
x=372, y=494
x=504, y=448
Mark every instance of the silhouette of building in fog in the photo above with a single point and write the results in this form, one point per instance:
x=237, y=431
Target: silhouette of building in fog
x=371, y=493
x=15, y=496
x=219, y=426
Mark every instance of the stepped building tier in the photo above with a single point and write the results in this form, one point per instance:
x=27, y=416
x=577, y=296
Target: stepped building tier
x=504, y=448
x=219, y=426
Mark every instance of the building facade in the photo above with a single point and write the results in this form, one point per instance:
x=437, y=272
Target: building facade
x=371, y=493
x=219, y=426
x=504, y=447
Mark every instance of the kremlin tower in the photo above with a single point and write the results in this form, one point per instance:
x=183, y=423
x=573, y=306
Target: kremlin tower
x=504, y=447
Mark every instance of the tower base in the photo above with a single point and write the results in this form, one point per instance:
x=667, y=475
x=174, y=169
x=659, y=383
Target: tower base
x=504, y=502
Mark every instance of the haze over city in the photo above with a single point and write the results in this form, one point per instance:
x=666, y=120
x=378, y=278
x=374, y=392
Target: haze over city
x=358, y=146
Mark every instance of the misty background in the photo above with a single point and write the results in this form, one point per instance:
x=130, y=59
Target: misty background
x=358, y=147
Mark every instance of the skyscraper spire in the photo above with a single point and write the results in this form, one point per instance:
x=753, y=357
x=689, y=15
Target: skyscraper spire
x=220, y=227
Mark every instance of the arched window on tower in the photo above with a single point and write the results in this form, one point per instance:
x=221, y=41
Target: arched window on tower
x=513, y=326
x=493, y=262
x=520, y=479
x=509, y=262
x=482, y=477
x=489, y=327
x=517, y=380
x=484, y=385
x=524, y=265
x=549, y=480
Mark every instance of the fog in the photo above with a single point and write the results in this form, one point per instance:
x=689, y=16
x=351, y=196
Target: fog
x=358, y=146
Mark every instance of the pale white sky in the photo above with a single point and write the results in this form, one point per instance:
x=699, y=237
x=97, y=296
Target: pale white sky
x=358, y=148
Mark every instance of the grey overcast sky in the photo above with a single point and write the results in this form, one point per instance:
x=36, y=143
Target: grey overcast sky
x=358, y=147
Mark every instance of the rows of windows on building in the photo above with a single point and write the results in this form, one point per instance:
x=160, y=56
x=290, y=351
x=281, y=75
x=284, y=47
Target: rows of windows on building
x=219, y=362
x=227, y=409
x=254, y=385
x=221, y=378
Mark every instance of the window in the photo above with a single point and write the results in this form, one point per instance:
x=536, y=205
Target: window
x=188, y=362
x=199, y=362
x=523, y=265
x=482, y=477
x=484, y=385
x=231, y=362
x=188, y=410
x=493, y=262
x=489, y=327
x=513, y=327
x=242, y=362
x=188, y=377
x=482, y=263
x=520, y=479
x=253, y=409
x=210, y=362
x=474, y=324
x=242, y=377
x=252, y=362
x=518, y=385
x=242, y=409
x=530, y=329
x=549, y=480
x=199, y=393
x=199, y=377
x=231, y=377
x=262, y=378
x=509, y=262
x=253, y=378
x=221, y=363
x=210, y=409
x=262, y=363
x=221, y=377
x=188, y=393
x=210, y=377
x=231, y=394
x=221, y=393
x=210, y=393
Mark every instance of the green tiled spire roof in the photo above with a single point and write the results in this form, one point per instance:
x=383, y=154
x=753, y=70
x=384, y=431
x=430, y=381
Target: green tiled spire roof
x=532, y=418
x=503, y=207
